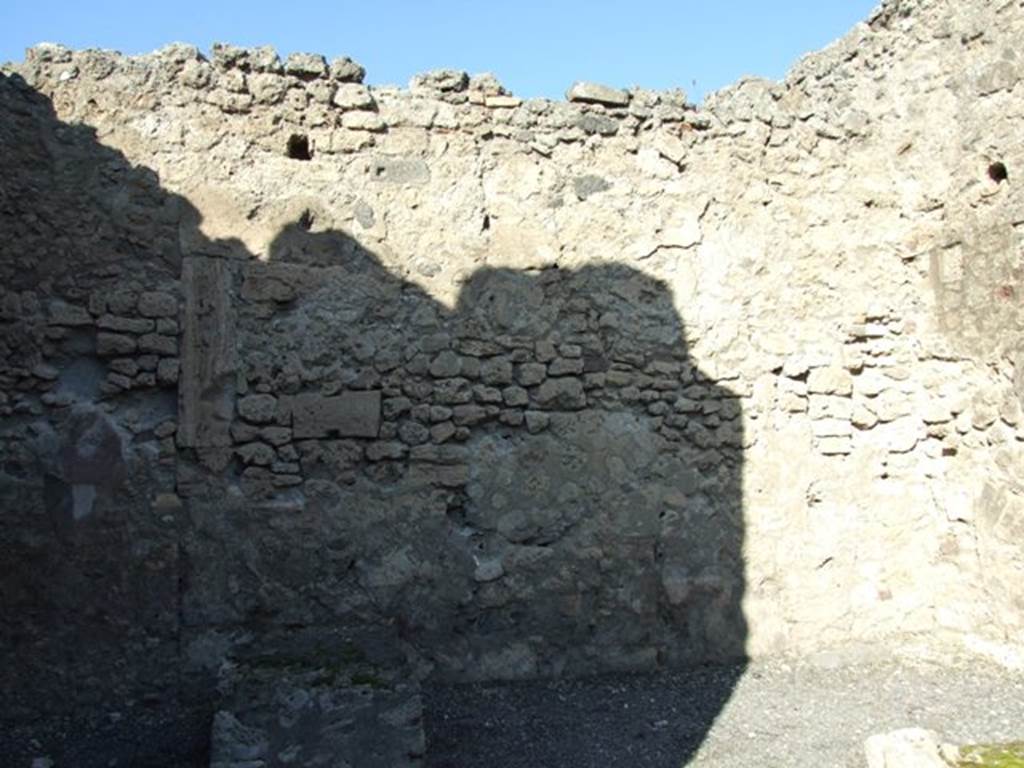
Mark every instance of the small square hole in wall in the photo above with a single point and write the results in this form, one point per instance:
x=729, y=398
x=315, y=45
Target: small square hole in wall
x=298, y=147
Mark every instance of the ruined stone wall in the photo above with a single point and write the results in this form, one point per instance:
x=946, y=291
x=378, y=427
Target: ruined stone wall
x=492, y=387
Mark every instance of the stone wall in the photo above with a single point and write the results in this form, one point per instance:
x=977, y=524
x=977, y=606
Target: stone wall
x=493, y=387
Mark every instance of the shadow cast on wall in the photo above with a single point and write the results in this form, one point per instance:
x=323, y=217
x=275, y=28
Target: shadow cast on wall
x=537, y=482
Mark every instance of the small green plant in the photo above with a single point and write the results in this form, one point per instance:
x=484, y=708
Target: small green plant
x=368, y=679
x=343, y=664
x=992, y=755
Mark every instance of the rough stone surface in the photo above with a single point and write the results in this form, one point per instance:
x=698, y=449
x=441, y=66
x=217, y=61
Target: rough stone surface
x=705, y=382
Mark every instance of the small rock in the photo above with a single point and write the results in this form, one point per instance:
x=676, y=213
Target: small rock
x=466, y=415
x=935, y=412
x=264, y=59
x=436, y=413
x=586, y=186
x=487, y=84
x=268, y=88
x=69, y=314
x=157, y=304
x=907, y=748
x=603, y=125
x=277, y=436
x=564, y=393
x=488, y=570
x=125, y=324
x=834, y=446
x=162, y=345
x=529, y=374
x=46, y=372
x=364, y=121
x=446, y=365
x=595, y=93
x=831, y=427
x=565, y=366
x=381, y=450
x=55, y=53
x=511, y=416
x=354, y=96
x=305, y=65
x=57, y=400
x=235, y=743
x=413, y=433
x=450, y=80
x=830, y=380
x=537, y=421
x=497, y=370
x=165, y=503
x=259, y=409
x=671, y=148
x=513, y=396
x=442, y=432
x=487, y=394
x=167, y=371
x=345, y=70
x=148, y=362
x=260, y=454
x=226, y=56
x=502, y=102
x=113, y=345
x=116, y=381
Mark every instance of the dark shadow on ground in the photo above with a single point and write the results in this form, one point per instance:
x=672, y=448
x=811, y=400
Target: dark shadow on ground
x=649, y=719
x=548, y=486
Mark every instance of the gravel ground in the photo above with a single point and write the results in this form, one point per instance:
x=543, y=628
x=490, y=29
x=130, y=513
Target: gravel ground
x=776, y=714
x=137, y=738
x=781, y=713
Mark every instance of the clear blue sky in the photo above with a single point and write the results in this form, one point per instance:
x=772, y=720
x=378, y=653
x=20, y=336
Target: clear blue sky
x=535, y=48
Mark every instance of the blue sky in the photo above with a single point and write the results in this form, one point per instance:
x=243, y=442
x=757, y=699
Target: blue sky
x=535, y=48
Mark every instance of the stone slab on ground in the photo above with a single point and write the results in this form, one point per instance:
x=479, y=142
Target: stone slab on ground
x=908, y=748
x=299, y=721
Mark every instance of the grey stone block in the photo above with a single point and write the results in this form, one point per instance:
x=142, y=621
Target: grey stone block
x=351, y=414
x=303, y=721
